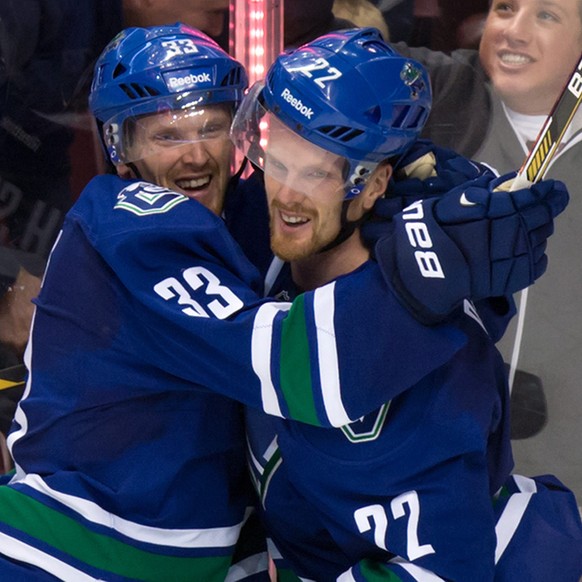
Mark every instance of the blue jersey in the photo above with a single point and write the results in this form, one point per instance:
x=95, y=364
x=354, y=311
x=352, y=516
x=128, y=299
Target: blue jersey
x=128, y=444
x=419, y=489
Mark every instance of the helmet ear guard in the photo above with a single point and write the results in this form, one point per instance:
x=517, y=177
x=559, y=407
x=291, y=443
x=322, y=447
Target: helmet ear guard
x=359, y=176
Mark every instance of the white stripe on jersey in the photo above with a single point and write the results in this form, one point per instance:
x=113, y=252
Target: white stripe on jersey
x=30, y=555
x=261, y=354
x=415, y=571
x=249, y=566
x=324, y=310
x=19, y=415
x=418, y=573
x=510, y=519
x=259, y=466
x=218, y=537
x=346, y=577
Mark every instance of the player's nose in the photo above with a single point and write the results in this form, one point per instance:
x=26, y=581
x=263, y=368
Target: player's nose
x=195, y=154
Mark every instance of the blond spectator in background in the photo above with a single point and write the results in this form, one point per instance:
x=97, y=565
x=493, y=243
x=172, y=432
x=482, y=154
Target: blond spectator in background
x=490, y=105
x=207, y=15
x=361, y=13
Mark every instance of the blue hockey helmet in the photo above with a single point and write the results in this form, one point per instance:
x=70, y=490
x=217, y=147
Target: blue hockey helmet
x=144, y=71
x=347, y=92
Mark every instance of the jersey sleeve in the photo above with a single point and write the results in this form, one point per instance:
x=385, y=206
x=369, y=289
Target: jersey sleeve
x=193, y=301
x=332, y=348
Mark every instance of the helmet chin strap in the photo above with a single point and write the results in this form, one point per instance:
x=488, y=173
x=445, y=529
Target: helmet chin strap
x=232, y=184
x=347, y=227
x=134, y=169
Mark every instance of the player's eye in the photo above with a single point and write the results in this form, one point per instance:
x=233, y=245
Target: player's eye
x=213, y=130
x=544, y=15
x=502, y=7
x=317, y=174
x=165, y=137
x=274, y=165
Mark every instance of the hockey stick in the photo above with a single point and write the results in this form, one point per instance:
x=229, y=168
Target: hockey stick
x=535, y=167
x=12, y=377
x=12, y=382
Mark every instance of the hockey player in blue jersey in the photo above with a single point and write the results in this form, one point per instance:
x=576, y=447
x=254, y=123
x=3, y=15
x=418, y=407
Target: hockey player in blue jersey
x=114, y=438
x=421, y=488
x=129, y=451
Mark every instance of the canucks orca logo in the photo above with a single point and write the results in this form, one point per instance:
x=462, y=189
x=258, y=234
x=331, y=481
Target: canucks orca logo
x=143, y=198
x=367, y=428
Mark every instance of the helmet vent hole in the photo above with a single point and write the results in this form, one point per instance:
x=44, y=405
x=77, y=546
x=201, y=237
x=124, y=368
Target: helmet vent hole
x=374, y=46
x=340, y=132
x=128, y=91
x=137, y=91
x=141, y=92
x=400, y=115
x=408, y=117
x=416, y=119
x=233, y=78
x=149, y=91
x=119, y=70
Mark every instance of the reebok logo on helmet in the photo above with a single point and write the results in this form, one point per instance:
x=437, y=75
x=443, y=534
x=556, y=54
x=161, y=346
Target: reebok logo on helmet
x=297, y=104
x=181, y=80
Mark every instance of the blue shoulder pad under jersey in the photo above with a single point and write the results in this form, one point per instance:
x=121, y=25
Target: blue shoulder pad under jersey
x=118, y=216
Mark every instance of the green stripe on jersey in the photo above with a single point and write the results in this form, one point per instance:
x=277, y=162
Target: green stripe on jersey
x=376, y=572
x=295, y=365
x=101, y=551
x=284, y=575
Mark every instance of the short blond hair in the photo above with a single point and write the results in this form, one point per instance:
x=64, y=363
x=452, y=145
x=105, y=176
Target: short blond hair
x=361, y=13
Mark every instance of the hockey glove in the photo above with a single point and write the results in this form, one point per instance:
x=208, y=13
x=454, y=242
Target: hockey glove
x=476, y=241
x=425, y=171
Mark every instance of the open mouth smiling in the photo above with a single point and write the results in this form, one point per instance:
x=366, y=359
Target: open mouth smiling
x=193, y=183
x=293, y=219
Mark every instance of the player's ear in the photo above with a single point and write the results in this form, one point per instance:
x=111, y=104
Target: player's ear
x=378, y=183
x=375, y=188
x=124, y=171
